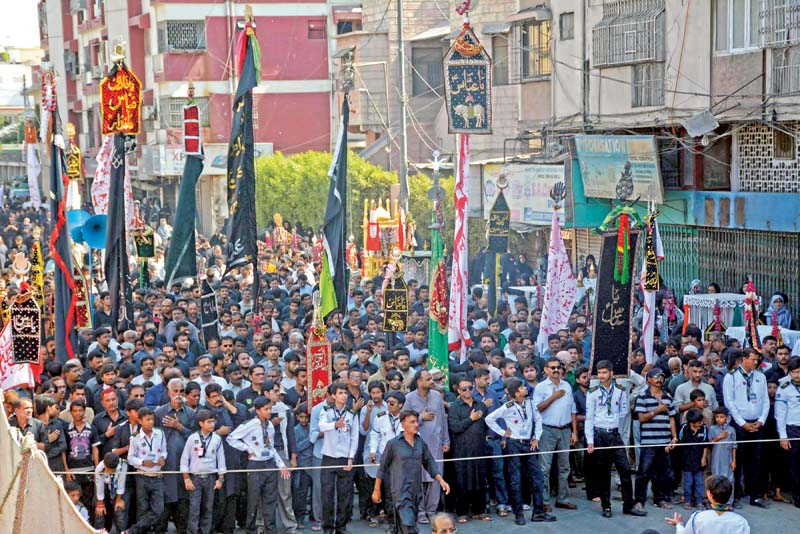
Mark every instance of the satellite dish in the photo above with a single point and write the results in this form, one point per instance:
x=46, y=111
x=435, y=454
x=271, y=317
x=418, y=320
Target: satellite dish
x=94, y=231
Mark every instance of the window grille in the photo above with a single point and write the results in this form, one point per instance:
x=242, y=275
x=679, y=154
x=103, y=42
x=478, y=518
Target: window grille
x=670, y=157
x=428, y=70
x=780, y=22
x=786, y=70
x=535, y=47
x=180, y=35
x=631, y=31
x=566, y=26
x=648, y=85
x=783, y=145
x=171, y=112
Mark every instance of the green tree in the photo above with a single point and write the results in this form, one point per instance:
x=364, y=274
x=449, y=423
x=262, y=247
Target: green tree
x=296, y=186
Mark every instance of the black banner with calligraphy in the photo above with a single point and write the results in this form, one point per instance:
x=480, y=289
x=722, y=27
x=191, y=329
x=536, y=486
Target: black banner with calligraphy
x=395, y=302
x=613, y=311
x=26, y=329
x=208, y=313
x=499, y=225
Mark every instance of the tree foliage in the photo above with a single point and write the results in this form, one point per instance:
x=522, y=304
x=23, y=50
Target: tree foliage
x=296, y=186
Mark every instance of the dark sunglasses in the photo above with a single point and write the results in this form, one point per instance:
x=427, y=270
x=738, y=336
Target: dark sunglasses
x=467, y=388
x=554, y=368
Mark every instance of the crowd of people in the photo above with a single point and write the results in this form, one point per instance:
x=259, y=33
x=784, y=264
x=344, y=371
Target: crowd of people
x=160, y=425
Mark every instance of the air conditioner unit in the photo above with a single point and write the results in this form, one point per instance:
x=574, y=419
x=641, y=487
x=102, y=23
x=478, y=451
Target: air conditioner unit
x=97, y=72
x=87, y=77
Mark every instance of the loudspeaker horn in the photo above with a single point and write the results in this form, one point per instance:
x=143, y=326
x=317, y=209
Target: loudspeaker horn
x=94, y=231
x=75, y=221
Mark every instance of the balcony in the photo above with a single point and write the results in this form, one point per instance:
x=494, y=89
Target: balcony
x=780, y=23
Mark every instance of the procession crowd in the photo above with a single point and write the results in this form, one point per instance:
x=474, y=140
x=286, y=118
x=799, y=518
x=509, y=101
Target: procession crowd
x=160, y=425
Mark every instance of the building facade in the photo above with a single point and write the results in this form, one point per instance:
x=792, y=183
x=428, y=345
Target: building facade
x=172, y=42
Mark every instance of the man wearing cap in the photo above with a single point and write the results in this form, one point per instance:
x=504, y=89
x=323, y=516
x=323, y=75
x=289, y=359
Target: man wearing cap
x=655, y=411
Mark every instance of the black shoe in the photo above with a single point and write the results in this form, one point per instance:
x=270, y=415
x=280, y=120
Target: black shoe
x=542, y=517
x=606, y=512
x=759, y=503
x=519, y=520
x=635, y=512
x=797, y=503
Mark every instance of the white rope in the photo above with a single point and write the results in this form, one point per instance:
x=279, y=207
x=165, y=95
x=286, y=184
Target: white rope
x=467, y=459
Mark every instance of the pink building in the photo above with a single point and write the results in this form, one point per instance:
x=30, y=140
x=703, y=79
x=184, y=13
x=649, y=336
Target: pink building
x=172, y=42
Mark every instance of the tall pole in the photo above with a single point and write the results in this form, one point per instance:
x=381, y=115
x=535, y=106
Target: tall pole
x=401, y=60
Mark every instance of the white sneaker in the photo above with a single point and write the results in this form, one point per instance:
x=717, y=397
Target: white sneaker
x=526, y=507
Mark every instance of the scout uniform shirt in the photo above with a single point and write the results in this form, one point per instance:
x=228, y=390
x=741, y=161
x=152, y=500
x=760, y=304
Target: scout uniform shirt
x=524, y=421
x=147, y=448
x=605, y=408
x=203, y=454
x=746, y=396
x=339, y=442
x=257, y=440
x=787, y=408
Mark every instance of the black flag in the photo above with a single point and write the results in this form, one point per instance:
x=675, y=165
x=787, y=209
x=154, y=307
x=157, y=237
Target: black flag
x=333, y=279
x=116, y=264
x=181, y=256
x=241, y=224
x=64, y=300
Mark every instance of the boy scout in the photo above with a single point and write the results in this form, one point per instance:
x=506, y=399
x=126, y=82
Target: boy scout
x=203, y=468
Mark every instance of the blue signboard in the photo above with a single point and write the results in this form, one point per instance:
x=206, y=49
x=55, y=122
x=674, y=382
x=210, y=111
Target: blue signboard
x=468, y=85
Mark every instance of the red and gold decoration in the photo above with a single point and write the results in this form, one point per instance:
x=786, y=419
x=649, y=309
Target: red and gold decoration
x=192, y=145
x=751, y=317
x=318, y=358
x=83, y=318
x=5, y=311
x=717, y=325
x=120, y=98
x=387, y=229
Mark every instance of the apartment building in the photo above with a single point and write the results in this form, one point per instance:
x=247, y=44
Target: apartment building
x=172, y=42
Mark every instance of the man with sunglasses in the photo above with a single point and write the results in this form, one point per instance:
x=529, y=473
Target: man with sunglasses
x=553, y=398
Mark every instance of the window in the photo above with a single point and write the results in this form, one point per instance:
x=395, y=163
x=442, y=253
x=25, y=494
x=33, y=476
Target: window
x=98, y=9
x=669, y=152
x=786, y=70
x=500, y=59
x=780, y=23
x=566, y=24
x=783, y=145
x=172, y=112
x=347, y=26
x=631, y=31
x=316, y=29
x=717, y=165
x=182, y=35
x=648, y=85
x=535, y=44
x=736, y=24
x=428, y=71
x=90, y=128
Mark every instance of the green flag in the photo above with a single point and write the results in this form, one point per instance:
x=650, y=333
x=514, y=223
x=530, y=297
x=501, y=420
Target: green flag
x=438, y=356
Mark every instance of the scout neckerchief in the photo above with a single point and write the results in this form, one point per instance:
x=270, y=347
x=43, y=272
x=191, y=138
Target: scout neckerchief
x=150, y=442
x=748, y=380
x=606, y=396
x=339, y=415
x=395, y=422
x=204, y=443
x=265, y=433
x=524, y=413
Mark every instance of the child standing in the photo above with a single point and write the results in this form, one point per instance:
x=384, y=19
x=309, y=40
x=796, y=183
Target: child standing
x=301, y=479
x=699, y=401
x=148, y=454
x=723, y=445
x=693, y=434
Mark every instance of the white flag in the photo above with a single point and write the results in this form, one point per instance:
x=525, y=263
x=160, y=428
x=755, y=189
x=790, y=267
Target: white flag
x=12, y=375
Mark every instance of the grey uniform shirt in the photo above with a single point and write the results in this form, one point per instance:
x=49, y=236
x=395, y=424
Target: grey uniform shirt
x=605, y=408
x=203, y=454
x=787, y=408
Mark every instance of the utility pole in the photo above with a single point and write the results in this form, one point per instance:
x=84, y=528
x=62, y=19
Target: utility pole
x=401, y=60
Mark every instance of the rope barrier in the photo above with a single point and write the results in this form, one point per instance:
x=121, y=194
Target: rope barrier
x=466, y=459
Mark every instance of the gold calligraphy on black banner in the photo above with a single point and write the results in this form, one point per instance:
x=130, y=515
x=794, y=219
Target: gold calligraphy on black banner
x=395, y=302
x=612, y=319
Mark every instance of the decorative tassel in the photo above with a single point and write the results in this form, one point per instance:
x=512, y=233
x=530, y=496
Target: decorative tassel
x=776, y=330
x=622, y=272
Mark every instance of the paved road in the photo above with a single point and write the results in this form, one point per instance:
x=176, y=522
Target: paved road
x=588, y=519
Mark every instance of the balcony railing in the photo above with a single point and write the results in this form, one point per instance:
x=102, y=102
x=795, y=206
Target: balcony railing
x=786, y=79
x=780, y=23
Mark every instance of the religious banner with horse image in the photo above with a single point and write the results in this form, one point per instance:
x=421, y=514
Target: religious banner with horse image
x=395, y=301
x=468, y=85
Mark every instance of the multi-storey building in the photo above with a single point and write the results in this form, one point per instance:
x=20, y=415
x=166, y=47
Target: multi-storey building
x=715, y=83
x=172, y=42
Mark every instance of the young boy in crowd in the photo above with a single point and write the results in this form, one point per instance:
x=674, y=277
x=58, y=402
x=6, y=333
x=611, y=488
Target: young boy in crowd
x=82, y=451
x=693, y=434
x=301, y=480
x=148, y=454
x=699, y=401
x=203, y=467
x=723, y=445
x=719, y=518
x=109, y=483
x=73, y=490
